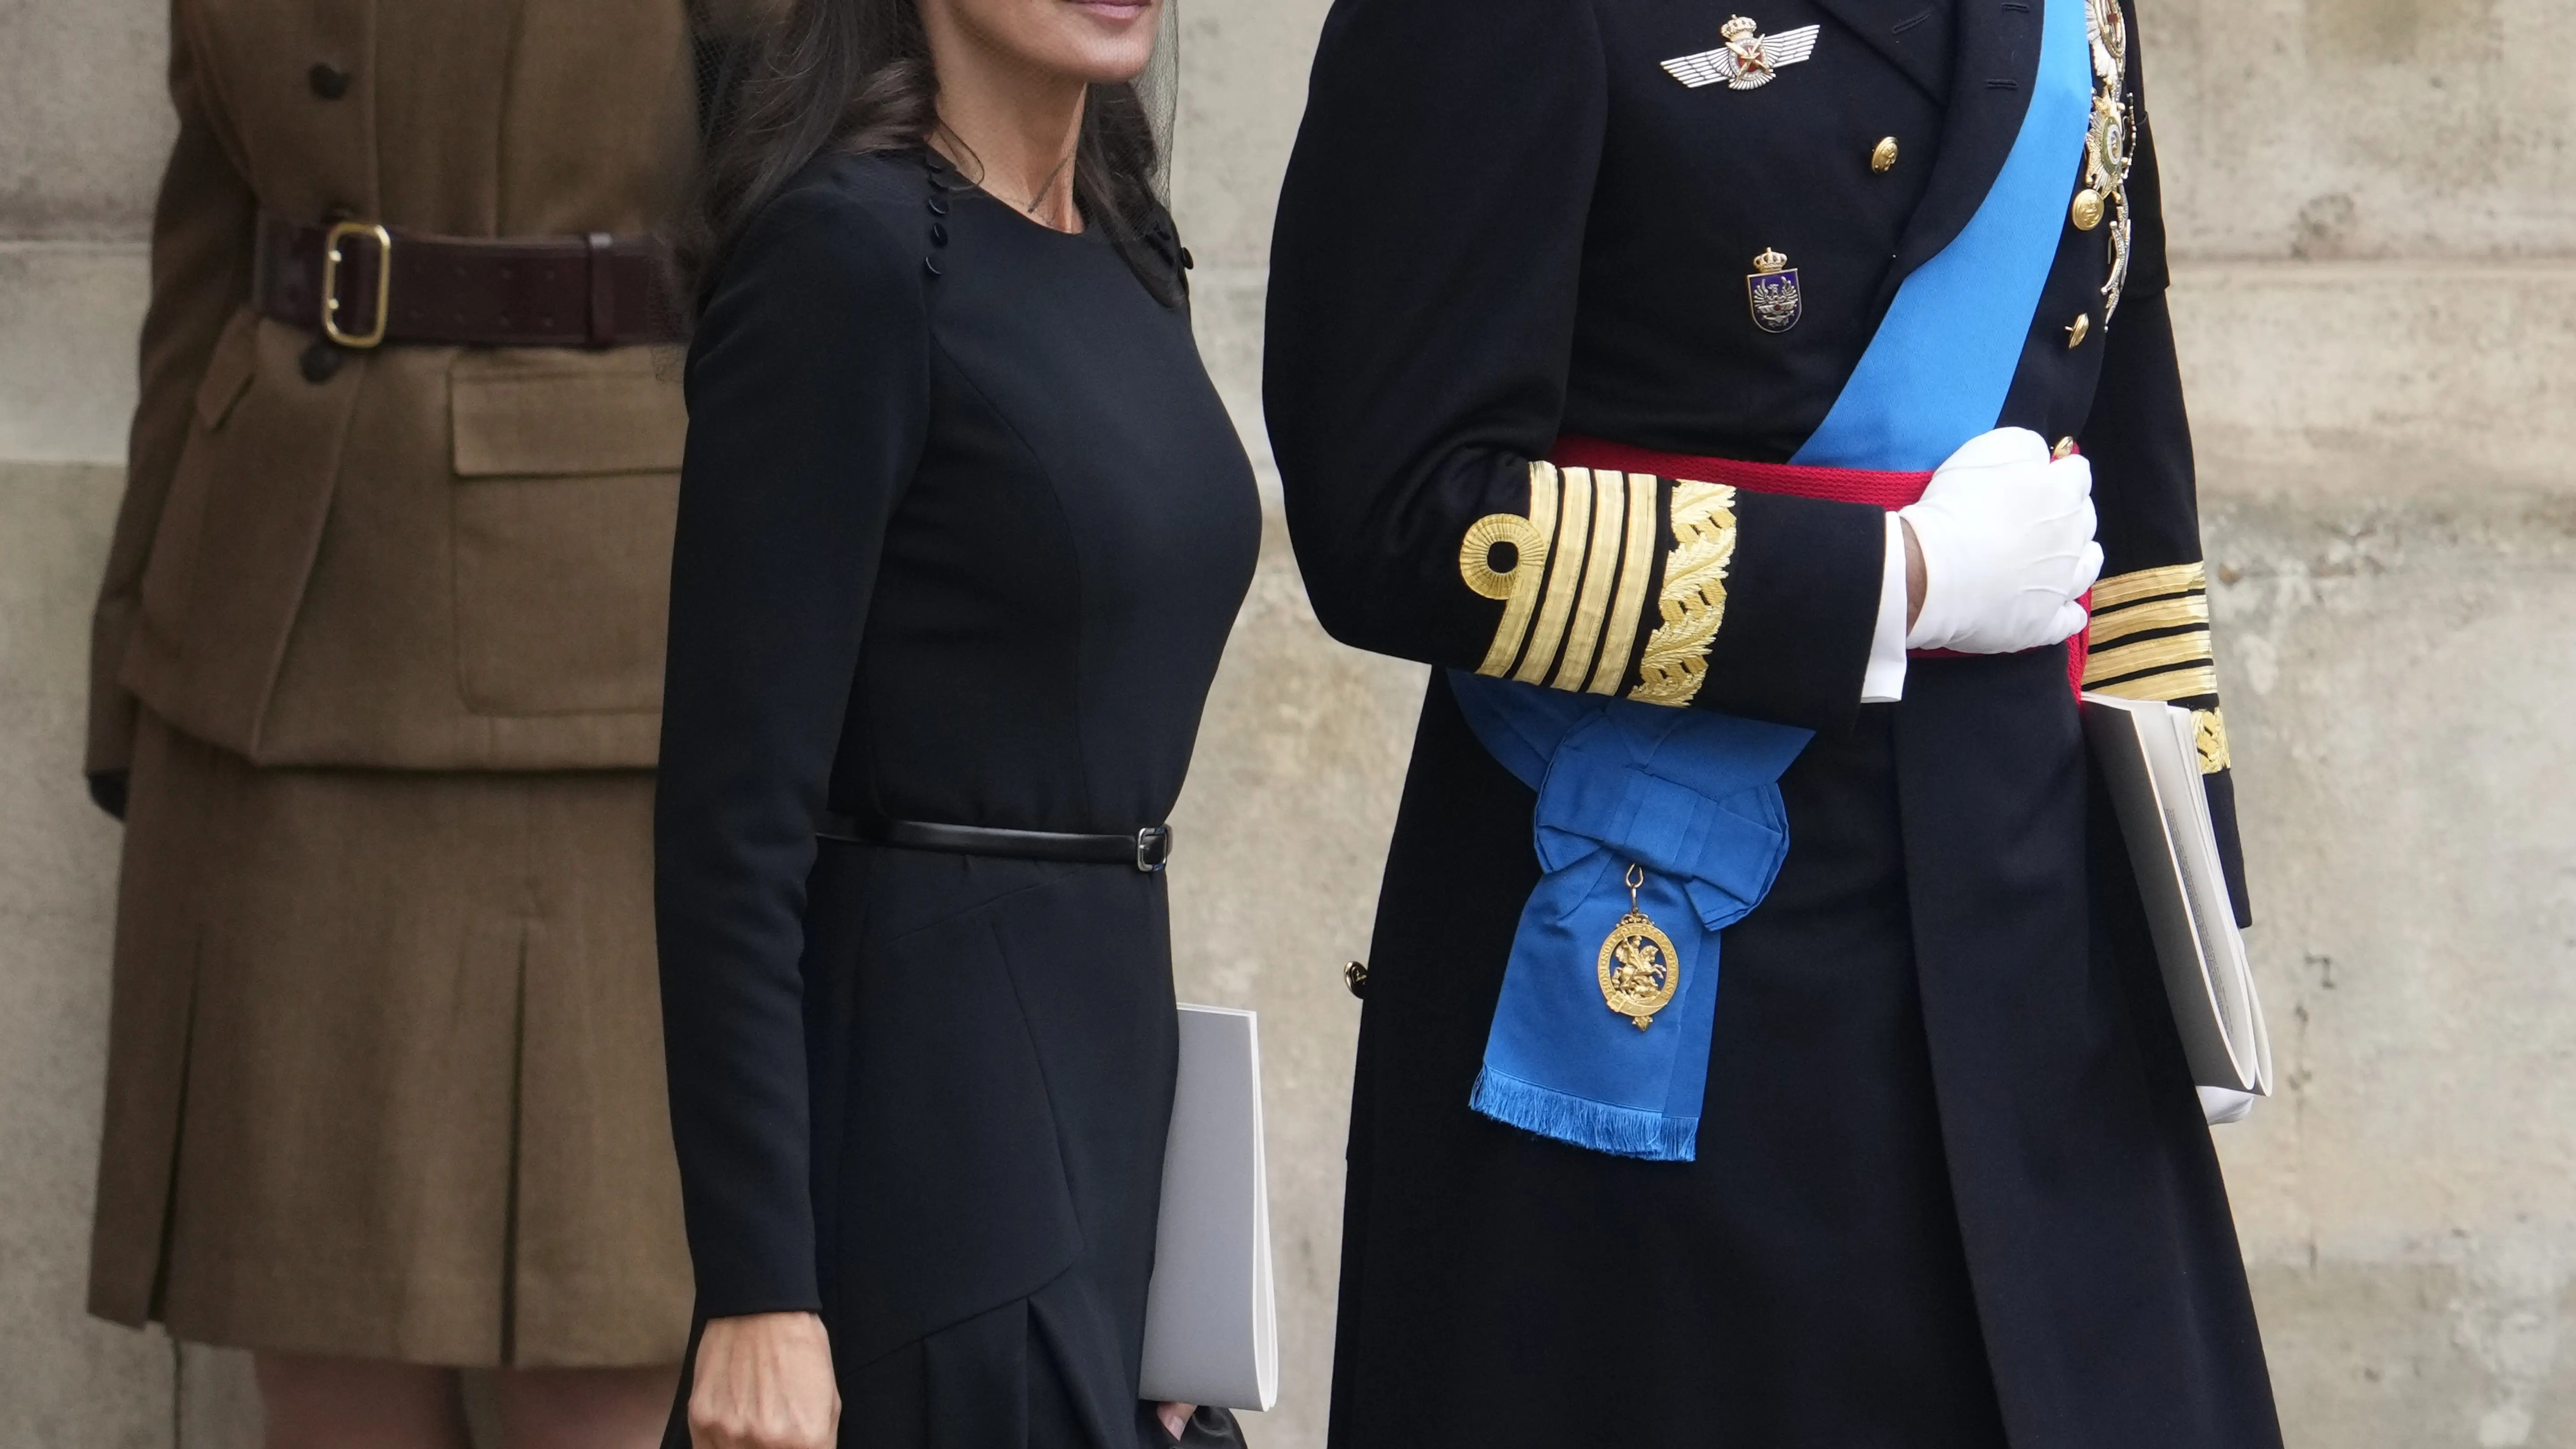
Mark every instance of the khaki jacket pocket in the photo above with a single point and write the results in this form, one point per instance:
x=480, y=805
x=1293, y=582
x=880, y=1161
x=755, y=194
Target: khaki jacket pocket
x=567, y=483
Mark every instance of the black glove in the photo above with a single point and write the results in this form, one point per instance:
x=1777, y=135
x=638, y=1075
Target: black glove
x=108, y=788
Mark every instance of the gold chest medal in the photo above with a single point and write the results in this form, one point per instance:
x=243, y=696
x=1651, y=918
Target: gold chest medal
x=2110, y=145
x=1639, y=970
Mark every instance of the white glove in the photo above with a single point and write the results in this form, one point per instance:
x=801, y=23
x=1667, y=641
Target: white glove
x=2007, y=542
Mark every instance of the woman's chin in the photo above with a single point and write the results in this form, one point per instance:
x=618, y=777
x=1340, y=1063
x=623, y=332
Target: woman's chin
x=1107, y=60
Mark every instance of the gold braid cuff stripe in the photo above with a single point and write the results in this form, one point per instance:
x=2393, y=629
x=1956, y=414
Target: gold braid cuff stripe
x=1630, y=604
x=1556, y=610
x=1598, y=529
x=2200, y=681
x=2209, y=728
x=2173, y=649
x=1519, y=586
x=1600, y=565
x=2109, y=627
x=1693, y=605
x=2120, y=589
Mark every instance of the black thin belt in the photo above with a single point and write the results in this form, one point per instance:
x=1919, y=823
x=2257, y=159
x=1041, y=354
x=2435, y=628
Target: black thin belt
x=1148, y=849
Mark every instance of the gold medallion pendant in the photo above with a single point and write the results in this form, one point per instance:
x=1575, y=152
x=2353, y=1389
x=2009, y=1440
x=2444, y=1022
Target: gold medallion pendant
x=1639, y=970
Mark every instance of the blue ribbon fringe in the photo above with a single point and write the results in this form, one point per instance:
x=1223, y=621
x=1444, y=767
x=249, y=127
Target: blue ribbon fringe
x=1620, y=1131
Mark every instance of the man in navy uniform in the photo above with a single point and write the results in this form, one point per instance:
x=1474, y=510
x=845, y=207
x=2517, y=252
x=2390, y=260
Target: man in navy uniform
x=1763, y=1044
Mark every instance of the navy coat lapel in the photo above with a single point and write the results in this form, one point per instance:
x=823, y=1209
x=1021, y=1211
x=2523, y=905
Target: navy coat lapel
x=1913, y=35
x=1995, y=60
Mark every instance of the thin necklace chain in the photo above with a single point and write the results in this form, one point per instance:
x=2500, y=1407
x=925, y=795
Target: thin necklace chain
x=984, y=179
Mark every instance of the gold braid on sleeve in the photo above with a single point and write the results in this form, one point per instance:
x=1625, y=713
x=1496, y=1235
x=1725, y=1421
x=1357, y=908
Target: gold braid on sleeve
x=1571, y=577
x=1693, y=604
x=1518, y=586
x=2149, y=638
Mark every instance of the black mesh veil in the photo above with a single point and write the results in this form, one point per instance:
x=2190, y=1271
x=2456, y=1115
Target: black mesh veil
x=1159, y=89
x=758, y=117
x=727, y=37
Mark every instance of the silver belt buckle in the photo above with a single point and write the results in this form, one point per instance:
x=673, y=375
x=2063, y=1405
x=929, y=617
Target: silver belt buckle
x=1153, y=848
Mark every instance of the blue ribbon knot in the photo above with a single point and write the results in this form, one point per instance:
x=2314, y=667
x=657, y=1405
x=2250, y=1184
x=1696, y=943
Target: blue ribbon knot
x=1693, y=799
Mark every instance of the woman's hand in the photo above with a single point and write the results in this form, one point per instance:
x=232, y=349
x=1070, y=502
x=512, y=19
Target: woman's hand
x=1175, y=1417
x=764, y=1381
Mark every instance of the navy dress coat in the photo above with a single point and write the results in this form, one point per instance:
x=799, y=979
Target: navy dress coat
x=1952, y=1185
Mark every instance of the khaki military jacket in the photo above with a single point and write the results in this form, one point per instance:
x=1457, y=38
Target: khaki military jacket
x=430, y=557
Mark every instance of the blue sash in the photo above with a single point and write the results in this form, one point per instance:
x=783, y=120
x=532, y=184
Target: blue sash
x=1690, y=797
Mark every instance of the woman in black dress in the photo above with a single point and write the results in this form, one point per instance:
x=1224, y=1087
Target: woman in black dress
x=963, y=527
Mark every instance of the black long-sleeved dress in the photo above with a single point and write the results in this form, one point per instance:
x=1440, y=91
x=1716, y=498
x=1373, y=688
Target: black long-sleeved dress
x=1952, y=1186
x=963, y=527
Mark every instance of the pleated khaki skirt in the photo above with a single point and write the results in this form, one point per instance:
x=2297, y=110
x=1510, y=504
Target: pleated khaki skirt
x=385, y=1066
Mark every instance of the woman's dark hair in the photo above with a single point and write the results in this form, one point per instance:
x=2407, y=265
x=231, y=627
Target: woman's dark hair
x=851, y=77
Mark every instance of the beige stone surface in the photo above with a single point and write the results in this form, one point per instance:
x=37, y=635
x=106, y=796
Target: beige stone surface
x=1282, y=831
x=2376, y=301
x=2363, y=128
x=2401, y=734
x=84, y=116
x=69, y=316
x=64, y=1380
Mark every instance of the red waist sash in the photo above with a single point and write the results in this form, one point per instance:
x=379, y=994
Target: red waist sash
x=1890, y=491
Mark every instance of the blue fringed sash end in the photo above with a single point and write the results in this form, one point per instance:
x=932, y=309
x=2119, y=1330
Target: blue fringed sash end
x=1620, y=1131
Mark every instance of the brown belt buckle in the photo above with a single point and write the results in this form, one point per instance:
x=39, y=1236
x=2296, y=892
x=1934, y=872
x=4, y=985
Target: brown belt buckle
x=332, y=261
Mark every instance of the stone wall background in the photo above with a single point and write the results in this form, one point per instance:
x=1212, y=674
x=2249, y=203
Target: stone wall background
x=2376, y=289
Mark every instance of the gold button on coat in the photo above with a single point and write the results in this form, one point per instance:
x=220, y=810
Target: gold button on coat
x=2065, y=448
x=2087, y=211
x=1882, y=157
x=2077, y=330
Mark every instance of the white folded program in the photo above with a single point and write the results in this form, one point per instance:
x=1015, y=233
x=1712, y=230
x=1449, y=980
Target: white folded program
x=2151, y=761
x=1211, y=1312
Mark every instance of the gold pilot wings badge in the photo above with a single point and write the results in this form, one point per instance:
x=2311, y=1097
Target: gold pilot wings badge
x=1748, y=60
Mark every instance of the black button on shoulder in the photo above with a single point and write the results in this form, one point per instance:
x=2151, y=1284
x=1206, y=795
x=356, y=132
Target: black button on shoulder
x=939, y=233
x=931, y=265
x=329, y=81
x=938, y=206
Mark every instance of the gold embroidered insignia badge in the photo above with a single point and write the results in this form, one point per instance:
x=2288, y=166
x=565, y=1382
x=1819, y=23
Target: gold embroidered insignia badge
x=1748, y=60
x=1771, y=290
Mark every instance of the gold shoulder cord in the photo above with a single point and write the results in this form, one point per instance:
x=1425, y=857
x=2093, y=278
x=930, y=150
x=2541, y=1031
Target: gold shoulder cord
x=2168, y=667
x=1675, y=660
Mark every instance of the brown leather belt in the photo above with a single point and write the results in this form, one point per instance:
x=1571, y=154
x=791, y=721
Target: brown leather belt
x=364, y=285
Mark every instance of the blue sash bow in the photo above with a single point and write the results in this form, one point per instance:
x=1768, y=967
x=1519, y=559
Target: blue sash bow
x=1692, y=797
